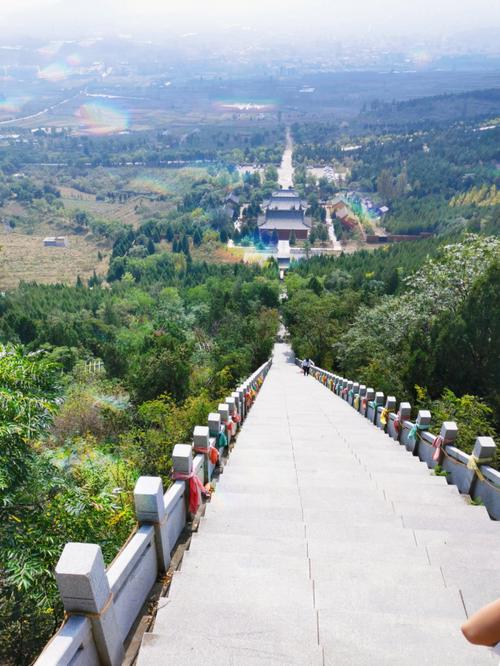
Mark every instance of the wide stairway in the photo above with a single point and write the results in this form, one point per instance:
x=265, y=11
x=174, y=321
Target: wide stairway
x=326, y=543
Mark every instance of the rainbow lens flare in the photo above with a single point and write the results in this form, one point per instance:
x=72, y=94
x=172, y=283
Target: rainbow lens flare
x=56, y=71
x=101, y=118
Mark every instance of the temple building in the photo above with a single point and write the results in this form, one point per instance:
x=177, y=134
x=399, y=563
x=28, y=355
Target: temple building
x=284, y=212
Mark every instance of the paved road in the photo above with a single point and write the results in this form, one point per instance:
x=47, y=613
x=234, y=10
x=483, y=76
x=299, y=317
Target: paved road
x=285, y=171
x=326, y=543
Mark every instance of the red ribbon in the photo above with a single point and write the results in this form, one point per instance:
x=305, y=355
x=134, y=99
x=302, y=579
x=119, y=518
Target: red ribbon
x=196, y=489
x=396, y=423
x=213, y=454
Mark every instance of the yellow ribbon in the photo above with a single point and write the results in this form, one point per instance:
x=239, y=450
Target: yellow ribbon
x=356, y=402
x=474, y=463
x=383, y=416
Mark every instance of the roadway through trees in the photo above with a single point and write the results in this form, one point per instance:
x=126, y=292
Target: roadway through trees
x=326, y=543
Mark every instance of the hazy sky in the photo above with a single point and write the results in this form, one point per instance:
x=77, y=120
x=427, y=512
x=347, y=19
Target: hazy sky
x=339, y=17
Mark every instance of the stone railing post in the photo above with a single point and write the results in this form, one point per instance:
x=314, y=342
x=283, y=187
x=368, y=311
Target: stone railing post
x=182, y=462
x=483, y=452
x=354, y=393
x=223, y=410
x=349, y=388
x=237, y=400
x=84, y=588
x=395, y=423
x=411, y=431
x=372, y=407
x=365, y=401
x=233, y=409
x=150, y=510
x=201, y=444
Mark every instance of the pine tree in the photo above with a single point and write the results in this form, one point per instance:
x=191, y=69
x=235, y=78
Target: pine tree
x=197, y=237
x=151, y=246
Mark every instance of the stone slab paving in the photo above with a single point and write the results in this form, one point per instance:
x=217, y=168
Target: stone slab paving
x=326, y=543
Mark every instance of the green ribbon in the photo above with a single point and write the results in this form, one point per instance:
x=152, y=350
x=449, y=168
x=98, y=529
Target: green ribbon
x=412, y=435
x=372, y=404
x=221, y=440
x=350, y=393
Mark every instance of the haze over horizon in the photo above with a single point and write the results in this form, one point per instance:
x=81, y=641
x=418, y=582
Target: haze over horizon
x=316, y=19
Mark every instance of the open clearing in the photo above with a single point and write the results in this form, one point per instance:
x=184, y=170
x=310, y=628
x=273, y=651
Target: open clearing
x=24, y=258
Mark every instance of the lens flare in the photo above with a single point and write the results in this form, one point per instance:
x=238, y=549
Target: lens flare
x=149, y=184
x=74, y=60
x=421, y=58
x=12, y=104
x=56, y=71
x=102, y=118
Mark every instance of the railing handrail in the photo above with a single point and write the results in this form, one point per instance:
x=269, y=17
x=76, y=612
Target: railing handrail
x=102, y=604
x=470, y=472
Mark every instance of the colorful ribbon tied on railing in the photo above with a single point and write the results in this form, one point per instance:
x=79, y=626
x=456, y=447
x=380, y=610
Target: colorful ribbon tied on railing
x=350, y=394
x=213, y=454
x=437, y=444
x=415, y=429
x=344, y=392
x=474, y=463
x=363, y=403
x=221, y=442
x=372, y=404
x=196, y=489
x=356, y=402
x=396, y=424
x=384, y=414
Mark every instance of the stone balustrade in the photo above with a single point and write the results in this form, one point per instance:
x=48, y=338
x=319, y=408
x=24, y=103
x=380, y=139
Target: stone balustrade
x=103, y=604
x=470, y=473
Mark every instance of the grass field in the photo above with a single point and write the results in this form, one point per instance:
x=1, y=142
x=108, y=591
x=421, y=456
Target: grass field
x=24, y=258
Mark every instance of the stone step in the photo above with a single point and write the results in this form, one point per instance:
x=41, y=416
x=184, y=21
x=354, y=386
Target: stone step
x=389, y=639
x=200, y=561
x=439, y=520
x=403, y=573
x=330, y=555
x=252, y=526
x=273, y=546
x=157, y=652
x=255, y=587
x=414, y=598
x=366, y=534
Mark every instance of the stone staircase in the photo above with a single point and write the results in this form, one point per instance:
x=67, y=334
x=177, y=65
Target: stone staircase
x=326, y=543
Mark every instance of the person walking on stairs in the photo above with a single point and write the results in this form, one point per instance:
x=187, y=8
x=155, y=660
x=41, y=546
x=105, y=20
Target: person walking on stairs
x=306, y=366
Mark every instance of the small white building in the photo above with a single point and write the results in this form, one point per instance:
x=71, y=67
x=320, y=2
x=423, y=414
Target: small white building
x=55, y=241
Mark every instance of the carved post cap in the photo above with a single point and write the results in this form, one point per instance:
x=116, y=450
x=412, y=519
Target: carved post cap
x=223, y=411
x=201, y=435
x=423, y=417
x=81, y=578
x=390, y=403
x=349, y=385
x=231, y=404
x=449, y=431
x=362, y=390
x=370, y=393
x=214, y=424
x=379, y=398
x=355, y=387
x=484, y=447
x=404, y=411
x=148, y=499
x=182, y=458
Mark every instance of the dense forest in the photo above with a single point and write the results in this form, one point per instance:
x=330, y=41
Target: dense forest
x=428, y=175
